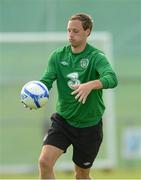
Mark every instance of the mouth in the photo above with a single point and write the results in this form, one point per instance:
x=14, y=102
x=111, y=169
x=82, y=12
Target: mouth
x=71, y=40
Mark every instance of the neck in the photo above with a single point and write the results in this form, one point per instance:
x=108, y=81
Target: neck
x=78, y=49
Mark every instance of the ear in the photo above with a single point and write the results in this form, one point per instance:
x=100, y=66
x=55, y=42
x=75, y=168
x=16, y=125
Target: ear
x=88, y=32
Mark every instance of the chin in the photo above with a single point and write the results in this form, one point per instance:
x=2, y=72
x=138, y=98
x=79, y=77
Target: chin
x=74, y=45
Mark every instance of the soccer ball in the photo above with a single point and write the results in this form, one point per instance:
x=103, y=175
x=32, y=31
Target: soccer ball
x=34, y=94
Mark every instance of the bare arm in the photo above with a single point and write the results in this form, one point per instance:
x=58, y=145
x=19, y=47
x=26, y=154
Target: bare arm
x=83, y=90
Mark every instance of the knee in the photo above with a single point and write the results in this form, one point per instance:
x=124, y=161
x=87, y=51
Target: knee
x=79, y=175
x=45, y=163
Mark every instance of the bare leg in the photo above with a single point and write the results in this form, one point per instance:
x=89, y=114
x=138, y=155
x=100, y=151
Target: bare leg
x=48, y=157
x=81, y=173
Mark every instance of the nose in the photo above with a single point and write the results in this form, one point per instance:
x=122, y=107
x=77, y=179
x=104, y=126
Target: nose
x=70, y=34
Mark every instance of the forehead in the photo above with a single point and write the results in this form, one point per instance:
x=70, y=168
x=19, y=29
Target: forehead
x=75, y=24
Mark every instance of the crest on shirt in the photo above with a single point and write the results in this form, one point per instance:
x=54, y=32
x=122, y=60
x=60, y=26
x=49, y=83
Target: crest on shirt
x=84, y=63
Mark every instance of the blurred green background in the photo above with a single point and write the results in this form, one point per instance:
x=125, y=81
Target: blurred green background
x=21, y=130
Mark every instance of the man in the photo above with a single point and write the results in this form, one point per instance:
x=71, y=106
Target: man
x=81, y=72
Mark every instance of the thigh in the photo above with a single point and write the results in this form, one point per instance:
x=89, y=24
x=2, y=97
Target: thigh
x=50, y=154
x=56, y=135
x=87, y=146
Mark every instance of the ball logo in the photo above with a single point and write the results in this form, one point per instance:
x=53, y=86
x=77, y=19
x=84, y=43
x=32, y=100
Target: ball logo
x=24, y=96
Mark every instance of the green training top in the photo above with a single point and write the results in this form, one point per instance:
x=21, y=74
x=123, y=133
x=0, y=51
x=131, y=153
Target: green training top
x=69, y=69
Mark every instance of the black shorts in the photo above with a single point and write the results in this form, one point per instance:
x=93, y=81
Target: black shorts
x=85, y=141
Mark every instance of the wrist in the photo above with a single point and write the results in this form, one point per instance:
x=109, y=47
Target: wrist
x=96, y=84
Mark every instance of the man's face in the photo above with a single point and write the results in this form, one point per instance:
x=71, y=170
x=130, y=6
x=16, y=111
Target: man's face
x=76, y=34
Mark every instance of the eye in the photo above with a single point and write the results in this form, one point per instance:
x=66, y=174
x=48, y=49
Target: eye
x=75, y=30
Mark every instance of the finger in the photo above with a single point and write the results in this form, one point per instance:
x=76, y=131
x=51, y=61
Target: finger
x=25, y=106
x=84, y=100
x=75, y=92
x=78, y=95
x=81, y=98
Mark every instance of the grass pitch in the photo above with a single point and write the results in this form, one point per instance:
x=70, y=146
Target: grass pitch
x=96, y=174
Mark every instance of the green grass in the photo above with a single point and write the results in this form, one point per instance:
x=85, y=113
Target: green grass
x=96, y=174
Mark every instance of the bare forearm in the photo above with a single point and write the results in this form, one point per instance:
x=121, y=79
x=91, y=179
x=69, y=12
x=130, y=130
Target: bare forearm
x=95, y=84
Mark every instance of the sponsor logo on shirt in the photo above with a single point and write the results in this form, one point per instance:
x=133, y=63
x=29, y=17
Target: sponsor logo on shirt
x=73, y=79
